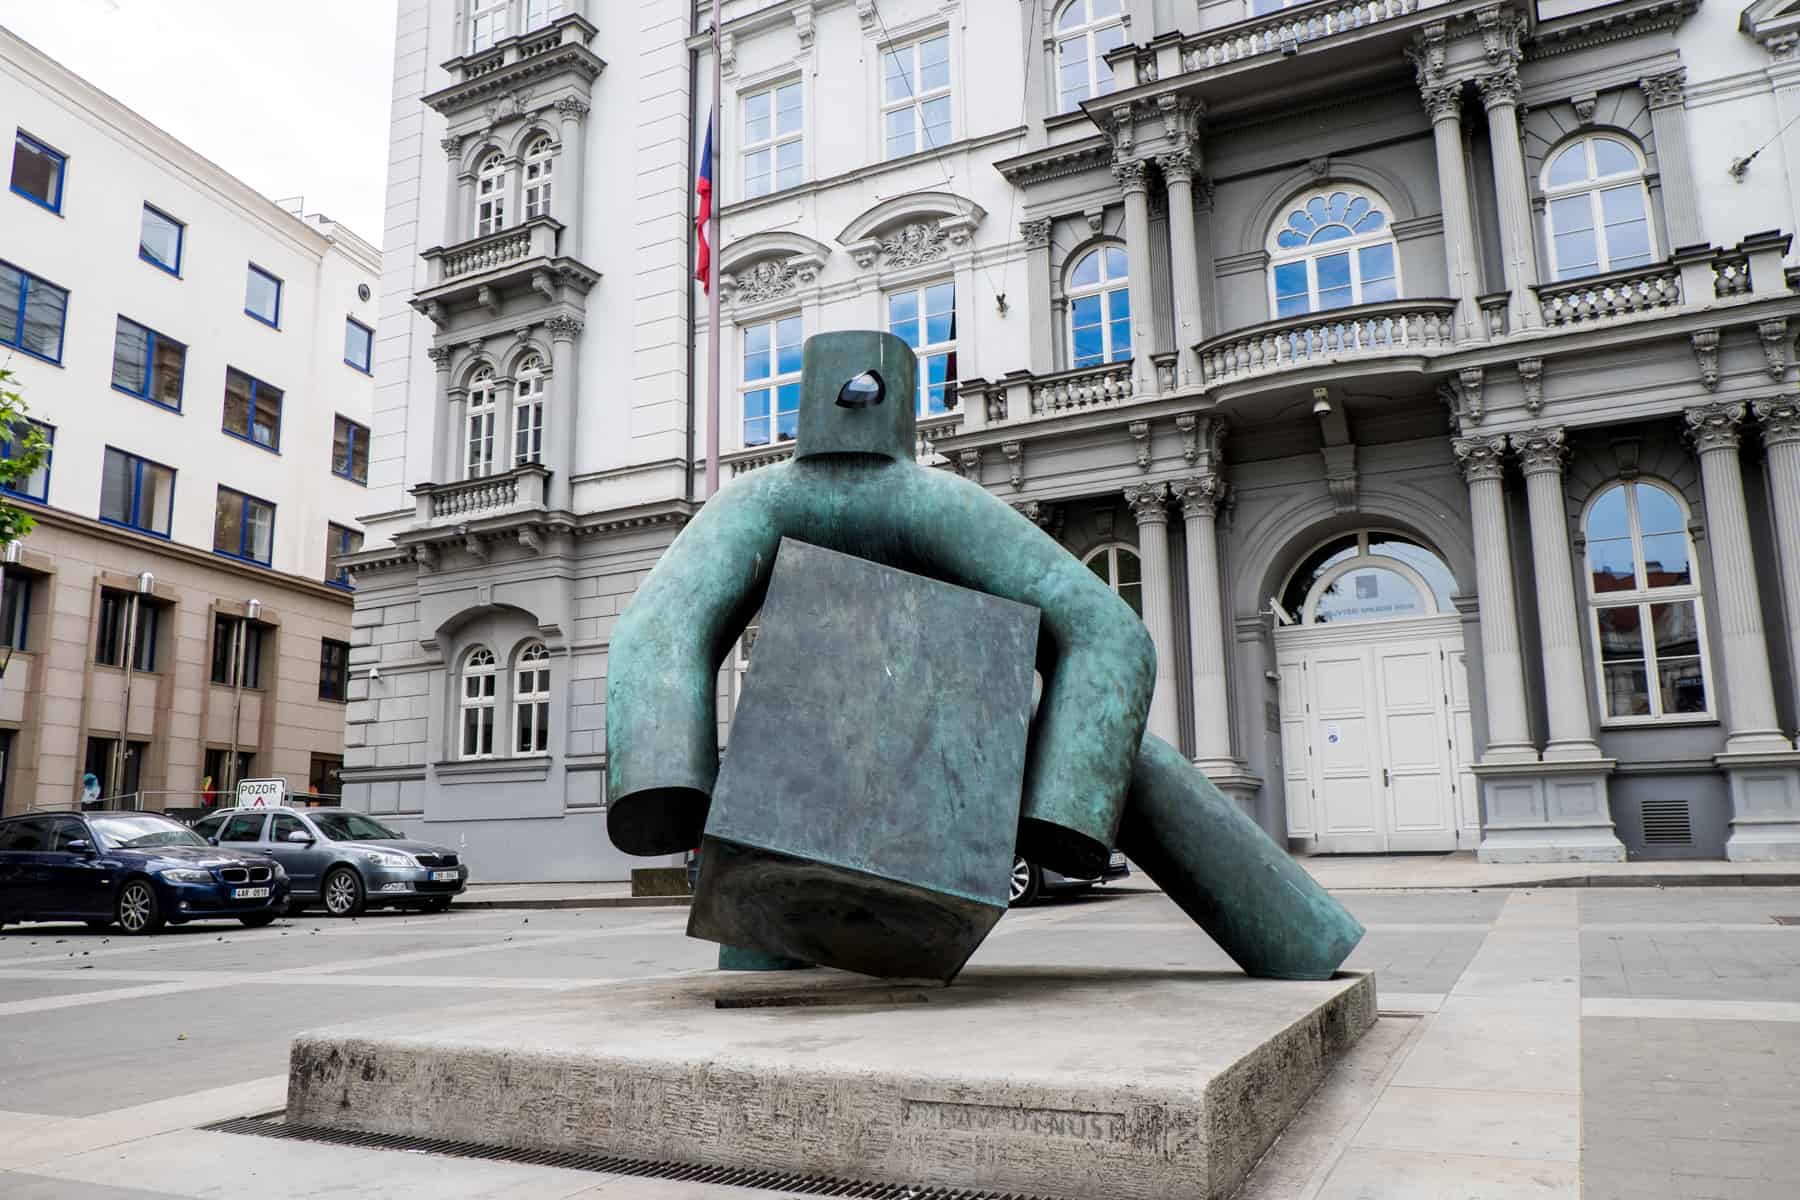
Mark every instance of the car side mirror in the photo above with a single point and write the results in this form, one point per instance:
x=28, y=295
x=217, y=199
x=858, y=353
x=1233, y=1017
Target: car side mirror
x=301, y=836
x=79, y=846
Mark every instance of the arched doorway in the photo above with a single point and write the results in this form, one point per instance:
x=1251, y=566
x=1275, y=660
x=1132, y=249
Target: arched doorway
x=1375, y=730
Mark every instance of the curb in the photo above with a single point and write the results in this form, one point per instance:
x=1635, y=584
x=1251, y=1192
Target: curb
x=1584, y=881
x=581, y=902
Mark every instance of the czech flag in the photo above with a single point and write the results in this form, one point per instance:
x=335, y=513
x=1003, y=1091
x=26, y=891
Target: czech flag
x=703, y=187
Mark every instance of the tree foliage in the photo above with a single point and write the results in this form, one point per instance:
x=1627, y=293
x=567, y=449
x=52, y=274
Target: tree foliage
x=26, y=450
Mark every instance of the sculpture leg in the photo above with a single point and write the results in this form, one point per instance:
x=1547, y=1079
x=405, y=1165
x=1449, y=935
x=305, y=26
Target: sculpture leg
x=748, y=958
x=1255, y=901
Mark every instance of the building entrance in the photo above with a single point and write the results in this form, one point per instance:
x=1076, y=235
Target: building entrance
x=1375, y=725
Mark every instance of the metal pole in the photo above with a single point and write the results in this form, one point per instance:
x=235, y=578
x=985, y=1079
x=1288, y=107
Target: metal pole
x=116, y=769
x=237, y=702
x=712, y=278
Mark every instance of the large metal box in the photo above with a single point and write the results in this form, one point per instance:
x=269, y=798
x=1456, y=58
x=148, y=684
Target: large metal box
x=867, y=807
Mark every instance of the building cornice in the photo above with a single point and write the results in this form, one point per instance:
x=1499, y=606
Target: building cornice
x=1612, y=23
x=1055, y=162
x=739, y=208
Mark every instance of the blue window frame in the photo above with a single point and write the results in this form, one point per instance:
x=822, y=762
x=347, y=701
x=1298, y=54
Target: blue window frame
x=136, y=493
x=262, y=296
x=159, y=239
x=334, y=669
x=252, y=410
x=340, y=540
x=148, y=365
x=350, y=451
x=359, y=345
x=37, y=171
x=243, y=527
x=35, y=486
x=31, y=313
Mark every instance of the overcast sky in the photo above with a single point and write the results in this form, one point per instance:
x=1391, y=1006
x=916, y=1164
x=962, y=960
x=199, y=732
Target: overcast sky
x=291, y=96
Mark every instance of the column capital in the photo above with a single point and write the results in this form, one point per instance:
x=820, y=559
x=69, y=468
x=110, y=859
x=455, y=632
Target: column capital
x=1036, y=233
x=1714, y=426
x=1541, y=451
x=1779, y=417
x=1177, y=166
x=452, y=147
x=1200, y=495
x=1131, y=175
x=440, y=356
x=1481, y=457
x=1148, y=502
x=572, y=106
x=563, y=328
x=1667, y=89
x=1500, y=88
x=1443, y=101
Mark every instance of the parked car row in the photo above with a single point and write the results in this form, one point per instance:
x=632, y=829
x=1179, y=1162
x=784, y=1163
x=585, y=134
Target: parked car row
x=1029, y=882
x=140, y=870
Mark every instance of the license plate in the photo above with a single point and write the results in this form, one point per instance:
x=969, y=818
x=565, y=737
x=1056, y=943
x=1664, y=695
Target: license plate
x=444, y=876
x=249, y=893
x=1118, y=860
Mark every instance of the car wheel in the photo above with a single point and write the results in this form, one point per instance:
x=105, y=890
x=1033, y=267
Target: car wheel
x=138, y=910
x=343, y=893
x=100, y=923
x=437, y=904
x=1027, y=881
x=256, y=920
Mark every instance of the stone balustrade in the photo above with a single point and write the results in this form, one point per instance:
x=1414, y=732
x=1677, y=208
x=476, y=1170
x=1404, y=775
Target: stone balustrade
x=1610, y=297
x=519, y=489
x=931, y=428
x=1289, y=27
x=534, y=239
x=1106, y=385
x=517, y=49
x=1731, y=274
x=1365, y=331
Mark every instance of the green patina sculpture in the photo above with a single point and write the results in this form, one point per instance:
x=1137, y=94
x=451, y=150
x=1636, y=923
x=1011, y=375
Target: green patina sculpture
x=1092, y=779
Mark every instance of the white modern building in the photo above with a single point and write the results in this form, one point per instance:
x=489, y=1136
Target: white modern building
x=201, y=361
x=1424, y=373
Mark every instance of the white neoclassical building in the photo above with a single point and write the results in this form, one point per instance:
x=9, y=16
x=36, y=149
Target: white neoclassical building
x=1424, y=373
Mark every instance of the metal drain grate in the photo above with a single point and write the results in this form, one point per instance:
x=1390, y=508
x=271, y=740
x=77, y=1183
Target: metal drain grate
x=1667, y=823
x=271, y=1125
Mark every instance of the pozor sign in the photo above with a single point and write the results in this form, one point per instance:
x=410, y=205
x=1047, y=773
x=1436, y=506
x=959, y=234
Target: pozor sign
x=261, y=793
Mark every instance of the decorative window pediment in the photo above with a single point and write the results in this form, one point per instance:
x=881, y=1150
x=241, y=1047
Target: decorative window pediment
x=768, y=266
x=1774, y=23
x=909, y=230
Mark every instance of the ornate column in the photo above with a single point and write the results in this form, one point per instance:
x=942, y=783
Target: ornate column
x=1542, y=453
x=1509, y=738
x=1133, y=180
x=443, y=430
x=1149, y=505
x=1444, y=103
x=1184, y=263
x=1750, y=722
x=1039, y=317
x=458, y=191
x=1780, y=421
x=1667, y=94
x=561, y=434
x=1200, y=497
x=565, y=191
x=455, y=447
x=1500, y=95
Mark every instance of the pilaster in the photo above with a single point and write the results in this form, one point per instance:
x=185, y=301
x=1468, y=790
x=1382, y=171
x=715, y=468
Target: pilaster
x=1036, y=236
x=1200, y=497
x=1133, y=178
x=1667, y=97
x=565, y=195
x=443, y=430
x=562, y=436
x=1779, y=418
x=1443, y=101
x=1500, y=95
x=1483, y=466
x=1149, y=504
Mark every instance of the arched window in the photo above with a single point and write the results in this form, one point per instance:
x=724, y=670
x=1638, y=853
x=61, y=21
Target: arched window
x=531, y=380
x=1649, y=631
x=531, y=702
x=540, y=161
x=479, y=677
x=1118, y=566
x=480, y=459
x=1367, y=576
x=490, y=195
x=1086, y=31
x=1099, y=308
x=1333, y=249
x=1597, y=210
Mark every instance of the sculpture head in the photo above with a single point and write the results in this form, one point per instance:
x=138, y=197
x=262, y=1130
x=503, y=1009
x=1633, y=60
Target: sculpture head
x=858, y=396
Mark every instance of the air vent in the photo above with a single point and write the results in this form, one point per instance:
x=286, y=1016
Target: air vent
x=1667, y=823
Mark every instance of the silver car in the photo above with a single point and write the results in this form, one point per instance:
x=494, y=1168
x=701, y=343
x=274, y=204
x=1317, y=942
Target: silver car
x=342, y=859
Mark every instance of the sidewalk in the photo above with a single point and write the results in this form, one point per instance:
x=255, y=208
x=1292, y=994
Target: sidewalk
x=1339, y=873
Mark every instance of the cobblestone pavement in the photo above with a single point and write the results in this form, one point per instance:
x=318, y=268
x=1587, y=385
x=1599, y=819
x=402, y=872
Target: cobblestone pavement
x=1617, y=1043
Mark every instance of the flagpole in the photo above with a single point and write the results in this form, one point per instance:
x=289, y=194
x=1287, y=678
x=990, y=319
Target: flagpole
x=712, y=278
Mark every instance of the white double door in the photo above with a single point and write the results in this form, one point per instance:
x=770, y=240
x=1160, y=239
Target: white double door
x=1376, y=737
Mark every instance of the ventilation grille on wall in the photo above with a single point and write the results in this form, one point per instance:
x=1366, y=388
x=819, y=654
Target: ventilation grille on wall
x=1667, y=823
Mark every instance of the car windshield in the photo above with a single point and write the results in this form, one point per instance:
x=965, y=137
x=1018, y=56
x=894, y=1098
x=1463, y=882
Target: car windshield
x=142, y=832
x=350, y=827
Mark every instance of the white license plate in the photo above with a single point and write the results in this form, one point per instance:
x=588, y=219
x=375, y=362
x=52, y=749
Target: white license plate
x=444, y=876
x=1118, y=860
x=249, y=893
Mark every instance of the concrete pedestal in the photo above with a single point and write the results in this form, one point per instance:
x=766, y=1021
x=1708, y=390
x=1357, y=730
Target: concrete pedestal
x=1765, y=806
x=1084, y=1084
x=1553, y=811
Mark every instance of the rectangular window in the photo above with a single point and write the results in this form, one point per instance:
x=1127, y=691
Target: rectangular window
x=915, y=96
x=115, y=620
x=334, y=669
x=262, y=296
x=225, y=650
x=243, y=527
x=148, y=365
x=31, y=313
x=35, y=486
x=925, y=319
x=217, y=776
x=487, y=23
x=774, y=140
x=100, y=764
x=159, y=240
x=136, y=492
x=771, y=387
x=539, y=13
x=350, y=450
x=359, y=345
x=37, y=171
x=15, y=609
x=252, y=409
x=323, y=777
x=340, y=540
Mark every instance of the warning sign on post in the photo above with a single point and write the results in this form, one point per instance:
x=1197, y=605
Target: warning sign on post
x=261, y=793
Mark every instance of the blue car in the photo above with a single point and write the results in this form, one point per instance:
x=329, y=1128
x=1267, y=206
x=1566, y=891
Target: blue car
x=134, y=869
